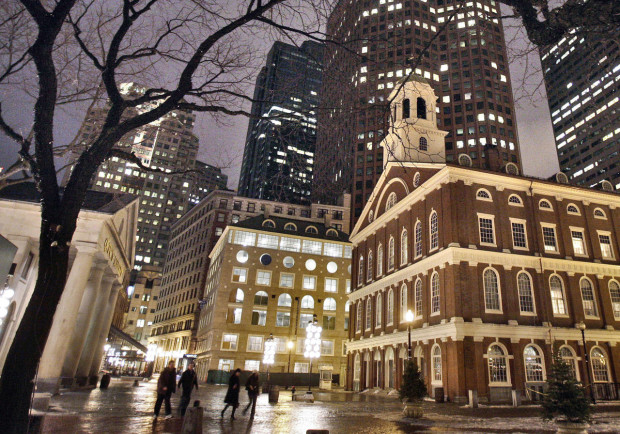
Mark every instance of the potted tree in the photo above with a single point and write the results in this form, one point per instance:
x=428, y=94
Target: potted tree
x=565, y=401
x=412, y=390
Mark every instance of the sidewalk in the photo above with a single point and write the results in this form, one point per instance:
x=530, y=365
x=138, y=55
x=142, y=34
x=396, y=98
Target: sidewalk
x=126, y=409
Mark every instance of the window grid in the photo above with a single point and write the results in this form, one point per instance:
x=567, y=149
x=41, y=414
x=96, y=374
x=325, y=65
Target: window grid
x=518, y=235
x=498, y=372
x=331, y=284
x=491, y=290
x=557, y=296
x=390, y=307
x=435, y=296
x=403, y=302
x=614, y=293
x=549, y=239
x=379, y=310
x=391, y=254
x=434, y=231
x=380, y=260
x=404, y=248
x=587, y=296
x=437, y=364
x=418, y=239
x=533, y=365
x=418, y=298
x=526, y=301
x=606, y=250
x=599, y=366
x=369, y=268
x=486, y=230
x=368, y=313
x=578, y=242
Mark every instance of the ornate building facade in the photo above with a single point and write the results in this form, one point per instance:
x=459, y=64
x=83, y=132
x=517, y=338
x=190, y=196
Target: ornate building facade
x=496, y=268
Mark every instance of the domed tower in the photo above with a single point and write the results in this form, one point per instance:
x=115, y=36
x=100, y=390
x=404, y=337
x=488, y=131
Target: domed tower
x=413, y=135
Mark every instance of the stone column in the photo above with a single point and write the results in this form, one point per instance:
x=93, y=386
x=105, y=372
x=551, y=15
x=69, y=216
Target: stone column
x=105, y=329
x=96, y=324
x=82, y=323
x=63, y=325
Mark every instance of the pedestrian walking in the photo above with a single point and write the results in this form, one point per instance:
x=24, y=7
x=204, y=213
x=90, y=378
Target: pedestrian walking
x=188, y=381
x=252, y=386
x=232, y=395
x=166, y=386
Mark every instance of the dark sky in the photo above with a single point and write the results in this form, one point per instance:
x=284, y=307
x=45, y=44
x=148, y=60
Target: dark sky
x=221, y=143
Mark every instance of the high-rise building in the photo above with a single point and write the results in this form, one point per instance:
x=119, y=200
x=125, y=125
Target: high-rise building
x=458, y=47
x=168, y=144
x=279, y=149
x=193, y=237
x=143, y=297
x=206, y=179
x=582, y=74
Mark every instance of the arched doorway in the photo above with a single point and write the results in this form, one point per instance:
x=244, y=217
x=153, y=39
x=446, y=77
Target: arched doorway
x=367, y=373
x=357, y=373
x=402, y=359
x=389, y=368
x=377, y=369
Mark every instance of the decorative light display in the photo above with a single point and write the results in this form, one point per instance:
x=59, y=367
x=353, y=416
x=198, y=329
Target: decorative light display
x=312, y=348
x=270, y=351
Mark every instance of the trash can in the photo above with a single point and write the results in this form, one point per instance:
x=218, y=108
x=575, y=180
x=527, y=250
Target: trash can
x=105, y=381
x=274, y=394
x=439, y=394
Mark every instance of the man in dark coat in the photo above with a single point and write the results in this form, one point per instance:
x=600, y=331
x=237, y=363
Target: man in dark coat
x=232, y=395
x=252, y=385
x=188, y=381
x=166, y=386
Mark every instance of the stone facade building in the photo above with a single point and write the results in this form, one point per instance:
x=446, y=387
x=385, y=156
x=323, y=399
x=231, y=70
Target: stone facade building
x=497, y=269
x=187, y=263
x=272, y=275
x=142, y=303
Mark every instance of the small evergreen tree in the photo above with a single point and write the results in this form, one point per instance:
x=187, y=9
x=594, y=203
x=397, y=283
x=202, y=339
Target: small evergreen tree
x=565, y=396
x=413, y=387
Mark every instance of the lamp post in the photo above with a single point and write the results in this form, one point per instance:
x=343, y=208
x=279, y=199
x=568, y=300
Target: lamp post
x=409, y=319
x=582, y=326
x=269, y=354
x=289, y=345
x=312, y=349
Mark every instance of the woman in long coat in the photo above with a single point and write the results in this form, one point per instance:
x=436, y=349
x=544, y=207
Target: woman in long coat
x=232, y=395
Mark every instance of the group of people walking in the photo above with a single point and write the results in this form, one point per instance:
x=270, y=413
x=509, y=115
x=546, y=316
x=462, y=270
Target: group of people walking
x=167, y=385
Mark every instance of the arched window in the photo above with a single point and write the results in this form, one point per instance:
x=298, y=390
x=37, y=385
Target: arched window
x=312, y=230
x=614, y=294
x=285, y=300
x=369, y=268
x=558, y=302
x=358, y=317
x=568, y=356
x=491, y=290
x=587, y=297
x=391, y=254
x=360, y=274
x=261, y=298
x=391, y=201
x=380, y=260
x=237, y=296
x=269, y=224
x=434, y=230
x=599, y=214
x=545, y=205
x=290, y=227
x=418, y=239
x=423, y=144
x=600, y=367
x=498, y=365
x=406, y=108
x=307, y=302
x=483, y=194
x=368, y=313
x=332, y=233
x=572, y=209
x=435, y=300
x=390, y=307
x=514, y=200
x=534, y=367
x=404, y=247
x=421, y=108
x=418, y=356
x=526, y=299
x=436, y=355
x=378, y=310
x=418, y=297
x=403, y=302
x=329, y=304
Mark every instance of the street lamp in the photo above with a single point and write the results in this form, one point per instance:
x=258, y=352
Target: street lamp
x=312, y=348
x=289, y=345
x=582, y=326
x=269, y=354
x=409, y=319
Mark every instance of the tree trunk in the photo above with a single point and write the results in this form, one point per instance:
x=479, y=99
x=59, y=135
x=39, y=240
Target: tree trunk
x=20, y=368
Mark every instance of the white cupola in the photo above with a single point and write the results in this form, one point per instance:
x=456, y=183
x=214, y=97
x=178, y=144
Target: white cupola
x=413, y=135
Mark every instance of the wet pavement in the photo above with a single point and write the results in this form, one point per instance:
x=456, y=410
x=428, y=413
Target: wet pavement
x=126, y=409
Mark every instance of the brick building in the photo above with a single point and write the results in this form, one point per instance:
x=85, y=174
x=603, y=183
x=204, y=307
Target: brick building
x=274, y=275
x=498, y=269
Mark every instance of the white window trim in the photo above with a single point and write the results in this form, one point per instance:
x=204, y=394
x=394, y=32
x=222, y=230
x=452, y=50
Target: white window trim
x=247, y=346
x=499, y=292
x=280, y=281
x=388, y=254
x=333, y=341
x=408, y=261
x=572, y=212
x=432, y=366
x=400, y=300
x=387, y=305
x=232, y=274
x=606, y=364
x=520, y=204
x=524, y=223
x=533, y=294
x=604, y=217
x=557, y=244
x=597, y=308
x=415, y=301
x=369, y=267
x=545, y=209
x=583, y=234
x=430, y=233
x=489, y=199
x=559, y=315
x=367, y=324
x=263, y=284
x=304, y=278
x=575, y=357
x=542, y=361
x=508, y=357
x=380, y=260
x=611, y=244
x=325, y=285
x=492, y=218
x=611, y=302
x=222, y=342
x=416, y=256
x=430, y=291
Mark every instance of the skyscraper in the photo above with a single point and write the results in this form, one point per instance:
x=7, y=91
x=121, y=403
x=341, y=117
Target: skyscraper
x=168, y=144
x=582, y=74
x=458, y=47
x=206, y=179
x=279, y=150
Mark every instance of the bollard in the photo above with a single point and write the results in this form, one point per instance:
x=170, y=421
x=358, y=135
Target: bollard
x=274, y=394
x=516, y=398
x=192, y=422
x=473, y=398
x=105, y=381
x=135, y=383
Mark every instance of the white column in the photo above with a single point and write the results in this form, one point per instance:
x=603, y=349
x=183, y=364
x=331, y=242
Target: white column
x=64, y=320
x=82, y=323
x=90, y=347
x=107, y=321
